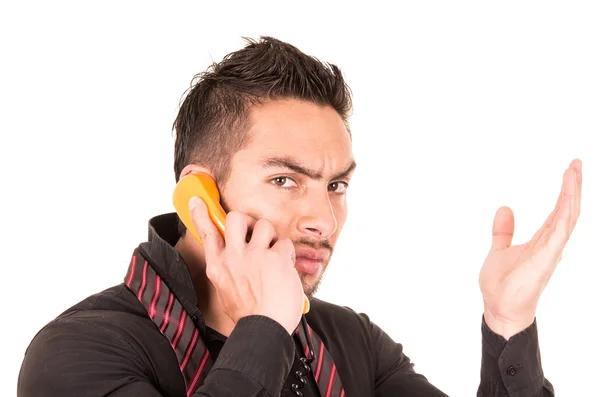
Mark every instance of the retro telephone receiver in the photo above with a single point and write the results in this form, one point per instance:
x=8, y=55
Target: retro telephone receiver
x=205, y=187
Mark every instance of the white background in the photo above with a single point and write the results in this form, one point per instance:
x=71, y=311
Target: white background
x=460, y=107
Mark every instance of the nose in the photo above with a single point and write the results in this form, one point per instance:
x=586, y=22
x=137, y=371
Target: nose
x=318, y=219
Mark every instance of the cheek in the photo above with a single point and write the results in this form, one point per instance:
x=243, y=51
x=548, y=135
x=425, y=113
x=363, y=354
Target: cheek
x=263, y=204
x=281, y=214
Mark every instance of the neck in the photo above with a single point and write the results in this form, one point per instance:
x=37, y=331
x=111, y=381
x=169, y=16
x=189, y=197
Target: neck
x=208, y=303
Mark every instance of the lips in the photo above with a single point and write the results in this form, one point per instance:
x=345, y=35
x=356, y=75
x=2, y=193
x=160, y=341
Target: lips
x=309, y=260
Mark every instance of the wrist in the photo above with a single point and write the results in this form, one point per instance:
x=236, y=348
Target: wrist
x=506, y=327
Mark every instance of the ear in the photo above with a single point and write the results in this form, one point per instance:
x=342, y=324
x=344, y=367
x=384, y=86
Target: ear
x=195, y=169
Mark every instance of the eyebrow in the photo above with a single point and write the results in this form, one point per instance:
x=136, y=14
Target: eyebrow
x=293, y=165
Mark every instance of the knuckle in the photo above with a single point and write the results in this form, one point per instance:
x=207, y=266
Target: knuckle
x=203, y=234
x=212, y=273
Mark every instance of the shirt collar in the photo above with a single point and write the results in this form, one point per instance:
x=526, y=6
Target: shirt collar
x=167, y=262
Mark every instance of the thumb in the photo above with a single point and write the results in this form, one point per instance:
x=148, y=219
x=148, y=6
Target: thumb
x=207, y=231
x=503, y=228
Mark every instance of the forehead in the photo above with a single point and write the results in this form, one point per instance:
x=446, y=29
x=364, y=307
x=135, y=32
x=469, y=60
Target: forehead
x=313, y=134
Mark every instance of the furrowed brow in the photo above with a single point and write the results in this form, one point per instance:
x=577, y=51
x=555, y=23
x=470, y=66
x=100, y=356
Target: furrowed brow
x=295, y=166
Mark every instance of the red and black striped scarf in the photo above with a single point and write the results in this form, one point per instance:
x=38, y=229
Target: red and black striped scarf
x=174, y=322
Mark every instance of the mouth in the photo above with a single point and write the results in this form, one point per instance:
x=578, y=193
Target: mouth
x=310, y=261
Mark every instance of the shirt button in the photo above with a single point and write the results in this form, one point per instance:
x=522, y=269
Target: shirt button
x=512, y=371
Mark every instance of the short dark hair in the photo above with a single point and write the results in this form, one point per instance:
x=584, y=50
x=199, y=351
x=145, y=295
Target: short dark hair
x=212, y=122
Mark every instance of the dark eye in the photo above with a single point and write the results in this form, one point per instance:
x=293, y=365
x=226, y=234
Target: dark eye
x=280, y=180
x=338, y=187
x=283, y=181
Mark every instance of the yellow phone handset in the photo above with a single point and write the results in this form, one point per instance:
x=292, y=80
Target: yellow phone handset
x=203, y=185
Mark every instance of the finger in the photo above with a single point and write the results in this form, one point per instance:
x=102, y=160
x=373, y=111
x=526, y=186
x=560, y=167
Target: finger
x=560, y=233
x=286, y=247
x=577, y=166
x=573, y=203
x=549, y=247
x=263, y=234
x=207, y=231
x=503, y=228
x=550, y=221
x=569, y=191
x=238, y=226
x=547, y=226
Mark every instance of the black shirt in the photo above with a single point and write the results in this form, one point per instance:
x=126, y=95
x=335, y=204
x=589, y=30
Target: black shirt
x=110, y=344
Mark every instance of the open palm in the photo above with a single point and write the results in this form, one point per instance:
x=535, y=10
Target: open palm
x=513, y=277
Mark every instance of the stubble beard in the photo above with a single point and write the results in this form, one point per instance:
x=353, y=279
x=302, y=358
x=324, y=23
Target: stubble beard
x=310, y=289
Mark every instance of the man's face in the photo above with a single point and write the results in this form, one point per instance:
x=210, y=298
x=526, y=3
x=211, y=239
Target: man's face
x=294, y=173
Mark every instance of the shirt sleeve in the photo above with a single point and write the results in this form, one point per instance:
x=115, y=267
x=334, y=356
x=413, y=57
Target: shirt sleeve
x=78, y=359
x=255, y=360
x=512, y=368
x=394, y=372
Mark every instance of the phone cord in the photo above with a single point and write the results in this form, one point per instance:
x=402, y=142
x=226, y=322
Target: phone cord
x=305, y=362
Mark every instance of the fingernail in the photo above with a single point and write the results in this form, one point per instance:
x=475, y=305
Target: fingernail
x=194, y=201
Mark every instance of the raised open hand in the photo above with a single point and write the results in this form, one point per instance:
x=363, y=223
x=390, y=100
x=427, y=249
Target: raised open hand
x=513, y=277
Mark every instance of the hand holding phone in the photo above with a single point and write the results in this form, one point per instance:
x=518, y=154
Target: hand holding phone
x=250, y=277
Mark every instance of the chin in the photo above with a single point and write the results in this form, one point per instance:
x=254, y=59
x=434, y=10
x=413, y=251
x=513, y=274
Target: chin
x=310, y=284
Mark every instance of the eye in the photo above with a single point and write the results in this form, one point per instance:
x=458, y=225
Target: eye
x=338, y=187
x=283, y=181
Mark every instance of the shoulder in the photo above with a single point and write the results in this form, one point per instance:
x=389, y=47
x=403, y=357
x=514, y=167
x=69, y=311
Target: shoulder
x=104, y=338
x=117, y=298
x=114, y=313
x=110, y=315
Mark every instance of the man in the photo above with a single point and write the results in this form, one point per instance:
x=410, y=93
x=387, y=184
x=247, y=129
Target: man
x=270, y=125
